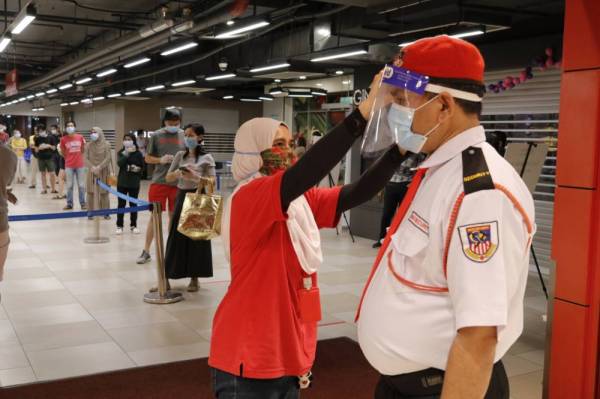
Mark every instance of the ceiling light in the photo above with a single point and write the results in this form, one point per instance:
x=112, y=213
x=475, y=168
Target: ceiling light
x=64, y=104
x=340, y=55
x=154, y=88
x=86, y=101
x=177, y=49
x=270, y=67
x=106, y=73
x=230, y=22
x=132, y=92
x=74, y=103
x=275, y=91
x=250, y=100
x=265, y=98
x=302, y=77
x=227, y=97
x=114, y=95
x=100, y=98
x=340, y=72
x=83, y=81
x=4, y=42
x=29, y=97
x=22, y=99
x=319, y=84
x=137, y=62
x=318, y=92
x=242, y=29
x=468, y=34
x=324, y=32
x=183, y=83
x=40, y=94
x=299, y=95
x=223, y=76
x=51, y=91
x=23, y=19
x=346, y=82
x=171, y=107
x=66, y=86
x=277, y=80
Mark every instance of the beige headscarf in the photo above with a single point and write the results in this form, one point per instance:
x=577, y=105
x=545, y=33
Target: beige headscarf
x=99, y=150
x=251, y=139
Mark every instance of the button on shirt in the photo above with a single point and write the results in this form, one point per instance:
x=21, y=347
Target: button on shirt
x=402, y=329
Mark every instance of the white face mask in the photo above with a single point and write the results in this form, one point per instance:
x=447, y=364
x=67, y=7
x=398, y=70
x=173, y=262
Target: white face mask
x=43, y=134
x=70, y=130
x=17, y=134
x=127, y=143
x=400, y=120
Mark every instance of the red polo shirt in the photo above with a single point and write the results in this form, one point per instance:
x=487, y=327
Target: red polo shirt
x=257, y=332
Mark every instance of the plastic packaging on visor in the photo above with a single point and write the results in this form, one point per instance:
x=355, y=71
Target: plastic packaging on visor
x=383, y=129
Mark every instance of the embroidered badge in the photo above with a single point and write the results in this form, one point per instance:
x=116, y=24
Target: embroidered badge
x=479, y=241
x=419, y=222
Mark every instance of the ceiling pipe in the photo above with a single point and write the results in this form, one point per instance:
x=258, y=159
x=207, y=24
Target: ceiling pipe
x=132, y=44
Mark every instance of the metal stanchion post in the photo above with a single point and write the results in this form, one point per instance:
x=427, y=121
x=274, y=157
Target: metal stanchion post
x=162, y=296
x=96, y=239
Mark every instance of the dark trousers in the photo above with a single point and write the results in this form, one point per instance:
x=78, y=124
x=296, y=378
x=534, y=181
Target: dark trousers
x=427, y=384
x=392, y=197
x=228, y=386
x=132, y=192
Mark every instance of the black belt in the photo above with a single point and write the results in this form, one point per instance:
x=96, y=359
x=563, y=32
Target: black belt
x=429, y=382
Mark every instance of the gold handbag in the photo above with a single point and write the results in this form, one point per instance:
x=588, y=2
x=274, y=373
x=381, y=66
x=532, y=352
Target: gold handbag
x=201, y=213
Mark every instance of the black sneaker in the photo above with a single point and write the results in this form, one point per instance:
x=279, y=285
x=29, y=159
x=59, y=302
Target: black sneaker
x=377, y=244
x=144, y=258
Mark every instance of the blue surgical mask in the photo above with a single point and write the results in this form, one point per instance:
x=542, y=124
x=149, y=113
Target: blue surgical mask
x=172, y=129
x=400, y=120
x=70, y=130
x=94, y=136
x=191, y=142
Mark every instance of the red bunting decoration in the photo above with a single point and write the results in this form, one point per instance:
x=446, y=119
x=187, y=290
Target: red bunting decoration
x=543, y=62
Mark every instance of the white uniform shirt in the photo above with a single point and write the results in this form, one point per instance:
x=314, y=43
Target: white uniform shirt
x=402, y=329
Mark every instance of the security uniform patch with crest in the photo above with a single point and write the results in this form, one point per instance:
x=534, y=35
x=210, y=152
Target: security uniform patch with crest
x=479, y=241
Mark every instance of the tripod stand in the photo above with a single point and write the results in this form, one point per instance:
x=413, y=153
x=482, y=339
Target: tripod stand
x=331, y=184
x=537, y=265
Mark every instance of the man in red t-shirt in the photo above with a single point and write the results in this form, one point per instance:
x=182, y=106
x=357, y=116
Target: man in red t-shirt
x=72, y=146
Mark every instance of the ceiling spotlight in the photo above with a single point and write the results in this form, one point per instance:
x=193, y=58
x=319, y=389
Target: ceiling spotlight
x=340, y=72
x=137, y=62
x=227, y=97
x=86, y=101
x=51, y=91
x=83, y=81
x=178, y=49
x=302, y=77
x=74, y=103
x=23, y=19
x=183, y=83
x=242, y=29
x=66, y=86
x=29, y=97
x=106, y=73
x=277, y=80
x=64, y=104
x=270, y=67
x=154, y=88
x=339, y=55
x=114, y=95
x=132, y=92
x=22, y=99
x=99, y=98
x=40, y=94
x=223, y=76
x=230, y=22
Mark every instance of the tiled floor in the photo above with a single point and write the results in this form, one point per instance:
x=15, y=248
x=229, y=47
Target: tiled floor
x=70, y=308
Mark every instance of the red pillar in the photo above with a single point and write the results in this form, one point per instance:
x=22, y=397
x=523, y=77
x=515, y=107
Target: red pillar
x=574, y=360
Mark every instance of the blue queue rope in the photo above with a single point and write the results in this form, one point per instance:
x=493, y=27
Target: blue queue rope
x=141, y=206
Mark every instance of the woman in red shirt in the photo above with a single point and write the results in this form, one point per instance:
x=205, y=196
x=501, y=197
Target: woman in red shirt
x=265, y=329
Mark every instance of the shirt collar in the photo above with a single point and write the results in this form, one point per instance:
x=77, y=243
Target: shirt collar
x=455, y=146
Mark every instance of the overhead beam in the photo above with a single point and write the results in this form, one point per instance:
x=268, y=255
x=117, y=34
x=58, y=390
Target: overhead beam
x=65, y=20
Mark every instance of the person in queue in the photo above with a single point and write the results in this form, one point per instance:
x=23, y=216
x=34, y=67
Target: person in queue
x=444, y=300
x=161, y=150
x=18, y=145
x=72, y=147
x=184, y=257
x=264, y=331
x=59, y=163
x=131, y=164
x=98, y=159
x=8, y=160
x=45, y=147
x=33, y=166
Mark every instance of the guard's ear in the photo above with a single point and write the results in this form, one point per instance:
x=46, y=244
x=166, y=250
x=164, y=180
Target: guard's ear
x=448, y=106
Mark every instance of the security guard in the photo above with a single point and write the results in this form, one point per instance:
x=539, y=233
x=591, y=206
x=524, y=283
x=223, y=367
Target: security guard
x=444, y=301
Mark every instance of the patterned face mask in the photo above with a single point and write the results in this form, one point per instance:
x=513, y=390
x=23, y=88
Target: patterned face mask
x=276, y=159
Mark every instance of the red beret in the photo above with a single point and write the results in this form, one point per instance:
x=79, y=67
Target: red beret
x=444, y=57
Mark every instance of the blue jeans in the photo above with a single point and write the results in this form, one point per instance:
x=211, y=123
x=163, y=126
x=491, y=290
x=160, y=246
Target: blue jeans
x=79, y=174
x=229, y=386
